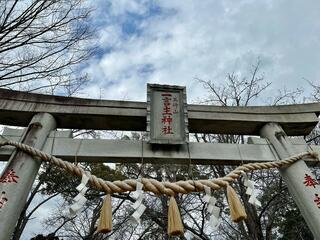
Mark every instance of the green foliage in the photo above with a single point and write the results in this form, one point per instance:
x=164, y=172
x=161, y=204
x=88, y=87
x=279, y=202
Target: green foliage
x=293, y=226
x=58, y=181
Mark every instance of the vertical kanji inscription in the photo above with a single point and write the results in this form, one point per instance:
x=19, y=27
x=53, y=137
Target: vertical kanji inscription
x=309, y=181
x=3, y=199
x=167, y=114
x=9, y=177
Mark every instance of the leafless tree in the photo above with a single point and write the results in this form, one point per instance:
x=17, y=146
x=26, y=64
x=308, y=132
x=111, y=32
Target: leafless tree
x=237, y=91
x=262, y=222
x=314, y=137
x=42, y=46
x=42, y=43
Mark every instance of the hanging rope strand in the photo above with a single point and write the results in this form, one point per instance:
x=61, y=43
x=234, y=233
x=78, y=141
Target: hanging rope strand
x=152, y=185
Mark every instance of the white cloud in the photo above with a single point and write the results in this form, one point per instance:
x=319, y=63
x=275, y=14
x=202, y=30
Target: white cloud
x=123, y=6
x=205, y=39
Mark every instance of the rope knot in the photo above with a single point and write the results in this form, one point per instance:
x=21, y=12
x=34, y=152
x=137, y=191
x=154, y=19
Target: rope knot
x=3, y=141
x=314, y=155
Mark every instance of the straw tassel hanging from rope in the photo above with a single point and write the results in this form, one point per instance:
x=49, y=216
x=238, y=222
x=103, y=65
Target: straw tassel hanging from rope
x=175, y=226
x=105, y=220
x=237, y=210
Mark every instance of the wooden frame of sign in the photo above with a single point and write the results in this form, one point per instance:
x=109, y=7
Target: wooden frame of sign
x=167, y=115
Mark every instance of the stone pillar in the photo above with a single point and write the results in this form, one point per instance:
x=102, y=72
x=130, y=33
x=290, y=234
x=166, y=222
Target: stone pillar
x=305, y=195
x=20, y=172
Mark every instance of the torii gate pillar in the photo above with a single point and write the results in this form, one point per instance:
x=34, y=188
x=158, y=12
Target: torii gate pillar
x=20, y=173
x=304, y=196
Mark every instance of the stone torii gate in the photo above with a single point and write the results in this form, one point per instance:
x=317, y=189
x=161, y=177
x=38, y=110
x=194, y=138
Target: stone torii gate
x=41, y=114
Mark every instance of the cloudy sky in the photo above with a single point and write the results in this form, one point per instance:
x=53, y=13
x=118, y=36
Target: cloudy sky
x=175, y=42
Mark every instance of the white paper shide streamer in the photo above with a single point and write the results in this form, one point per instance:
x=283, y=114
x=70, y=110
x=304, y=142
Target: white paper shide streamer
x=212, y=209
x=138, y=206
x=79, y=200
x=190, y=236
x=251, y=191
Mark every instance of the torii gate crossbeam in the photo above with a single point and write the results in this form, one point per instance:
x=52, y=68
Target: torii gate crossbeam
x=17, y=109
x=44, y=112
x=60, y=144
